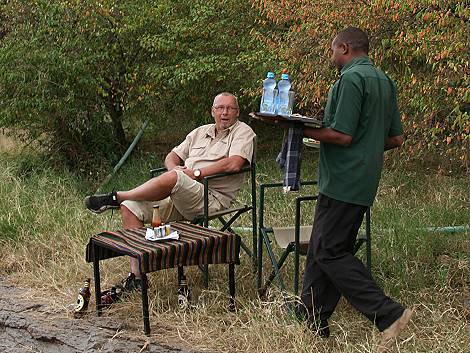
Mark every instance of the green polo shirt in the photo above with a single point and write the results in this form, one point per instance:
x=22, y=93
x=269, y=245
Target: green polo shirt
x=362, y=104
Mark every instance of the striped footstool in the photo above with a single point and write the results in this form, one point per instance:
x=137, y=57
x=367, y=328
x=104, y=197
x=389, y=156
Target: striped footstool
x=196, y=246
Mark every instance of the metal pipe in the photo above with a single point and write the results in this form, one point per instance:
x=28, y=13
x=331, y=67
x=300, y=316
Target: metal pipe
x=124, y=157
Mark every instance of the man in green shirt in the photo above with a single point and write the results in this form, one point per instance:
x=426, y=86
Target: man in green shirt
x=361, y=121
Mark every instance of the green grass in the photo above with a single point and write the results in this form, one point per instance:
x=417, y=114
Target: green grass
x=44, y=229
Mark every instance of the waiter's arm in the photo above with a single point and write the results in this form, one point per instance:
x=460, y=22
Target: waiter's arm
x=328, y=135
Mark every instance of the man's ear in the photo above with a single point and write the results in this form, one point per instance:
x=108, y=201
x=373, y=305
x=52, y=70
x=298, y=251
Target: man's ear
x=344, y=48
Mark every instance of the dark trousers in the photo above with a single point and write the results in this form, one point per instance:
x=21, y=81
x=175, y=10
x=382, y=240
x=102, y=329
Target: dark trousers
x=332, y=269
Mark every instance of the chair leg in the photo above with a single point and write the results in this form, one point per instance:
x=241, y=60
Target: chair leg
x=275, y=264
x=231, y=286
x=96, y=273
x=260, y=262
x=145, y=304
x=246, y=249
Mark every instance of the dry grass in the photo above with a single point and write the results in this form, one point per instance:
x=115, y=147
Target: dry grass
x=44, y=229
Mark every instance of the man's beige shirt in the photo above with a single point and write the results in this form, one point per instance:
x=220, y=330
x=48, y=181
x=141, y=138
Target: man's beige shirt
x=202, y=148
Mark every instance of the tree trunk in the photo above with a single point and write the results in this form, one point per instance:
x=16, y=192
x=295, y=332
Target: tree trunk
x=116, y=117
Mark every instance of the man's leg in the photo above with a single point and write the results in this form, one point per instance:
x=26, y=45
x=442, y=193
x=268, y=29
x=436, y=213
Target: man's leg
x=156, y=188
x=130, y=220
x=319, y=295
x=334, y=256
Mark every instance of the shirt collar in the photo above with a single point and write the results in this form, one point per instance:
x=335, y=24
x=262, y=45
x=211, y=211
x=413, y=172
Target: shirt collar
x=359, y=60
x=211, y=130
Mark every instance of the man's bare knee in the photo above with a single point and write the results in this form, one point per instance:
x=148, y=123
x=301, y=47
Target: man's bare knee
x=167, y=180
x=129, y=219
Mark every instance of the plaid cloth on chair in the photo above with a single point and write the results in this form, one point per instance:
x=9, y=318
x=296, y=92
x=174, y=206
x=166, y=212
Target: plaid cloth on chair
x=290, y=158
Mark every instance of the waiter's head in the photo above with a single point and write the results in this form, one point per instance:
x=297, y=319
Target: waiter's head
x=348, y=44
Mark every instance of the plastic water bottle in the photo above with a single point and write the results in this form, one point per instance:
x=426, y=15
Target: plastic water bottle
x=283, y=106
x=269, y=96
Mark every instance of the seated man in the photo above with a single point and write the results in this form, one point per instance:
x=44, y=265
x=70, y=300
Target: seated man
x=210, y=149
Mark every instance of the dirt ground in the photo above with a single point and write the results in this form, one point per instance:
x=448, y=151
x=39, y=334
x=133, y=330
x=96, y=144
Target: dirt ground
x=28, y=325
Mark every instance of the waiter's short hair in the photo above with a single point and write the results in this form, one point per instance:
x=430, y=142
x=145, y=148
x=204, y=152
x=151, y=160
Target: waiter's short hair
x=356, y=38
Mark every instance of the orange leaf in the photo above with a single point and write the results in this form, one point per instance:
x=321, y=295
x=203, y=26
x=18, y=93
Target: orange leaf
x=449, y=90
x=448, y=140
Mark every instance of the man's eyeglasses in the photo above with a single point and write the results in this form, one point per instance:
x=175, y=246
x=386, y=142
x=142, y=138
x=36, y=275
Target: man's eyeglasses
x=221, y=108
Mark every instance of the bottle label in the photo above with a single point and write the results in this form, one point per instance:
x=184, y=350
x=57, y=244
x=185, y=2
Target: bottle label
x=182, y=301
x=79, y=306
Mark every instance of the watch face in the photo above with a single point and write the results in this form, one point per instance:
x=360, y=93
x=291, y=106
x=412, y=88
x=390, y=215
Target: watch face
x=197, y=173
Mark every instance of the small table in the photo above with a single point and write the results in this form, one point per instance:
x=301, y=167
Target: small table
x=196, y=246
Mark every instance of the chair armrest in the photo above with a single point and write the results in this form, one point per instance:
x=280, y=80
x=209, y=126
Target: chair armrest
x=205, y=182
x=156, y=171
x=220, y=175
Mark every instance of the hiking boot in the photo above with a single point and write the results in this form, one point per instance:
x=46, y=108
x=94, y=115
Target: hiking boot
x=120, y=291
x=102, y=202
x=131, y=283
x=111, y=296
x=391, y=333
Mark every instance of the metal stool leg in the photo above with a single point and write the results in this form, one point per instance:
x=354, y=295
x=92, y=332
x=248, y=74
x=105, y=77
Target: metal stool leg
x=231, y=286
x=96, y=273
x=145, y=304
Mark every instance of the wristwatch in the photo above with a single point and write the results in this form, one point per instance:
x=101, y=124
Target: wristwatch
x=197, y=173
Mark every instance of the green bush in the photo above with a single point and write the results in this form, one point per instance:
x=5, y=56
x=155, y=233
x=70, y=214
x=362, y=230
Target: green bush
x=80, y=76
x=421, y=44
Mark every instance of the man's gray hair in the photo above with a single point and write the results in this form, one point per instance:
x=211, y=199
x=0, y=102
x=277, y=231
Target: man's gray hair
x=226, y=94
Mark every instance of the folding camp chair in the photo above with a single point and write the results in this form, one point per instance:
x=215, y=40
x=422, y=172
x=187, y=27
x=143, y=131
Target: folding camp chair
x=292, y=239
x=227, y=216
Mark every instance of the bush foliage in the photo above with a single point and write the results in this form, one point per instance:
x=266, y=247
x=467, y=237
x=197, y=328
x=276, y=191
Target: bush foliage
x=80, y=75
x=421, y=44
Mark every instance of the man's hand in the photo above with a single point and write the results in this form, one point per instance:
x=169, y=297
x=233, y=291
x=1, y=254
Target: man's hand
x=189, y=172
x=393, y=142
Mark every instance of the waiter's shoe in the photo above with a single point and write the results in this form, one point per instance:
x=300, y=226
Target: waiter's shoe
x=390, y=334
x=317, y=326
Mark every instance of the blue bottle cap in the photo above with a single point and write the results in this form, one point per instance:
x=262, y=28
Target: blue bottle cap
x=285, y=76
x=270, y=75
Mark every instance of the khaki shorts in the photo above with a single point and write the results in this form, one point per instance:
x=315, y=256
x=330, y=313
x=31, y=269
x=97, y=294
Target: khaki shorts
x=185, y=202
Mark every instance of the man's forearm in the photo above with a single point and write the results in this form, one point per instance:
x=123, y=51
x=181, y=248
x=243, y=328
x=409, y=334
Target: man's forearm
x=328, y=135
x=226, y=165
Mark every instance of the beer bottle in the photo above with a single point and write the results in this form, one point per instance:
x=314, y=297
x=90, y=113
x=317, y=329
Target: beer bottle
x=83, y=299
x=156, y=219
x=184, y=295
